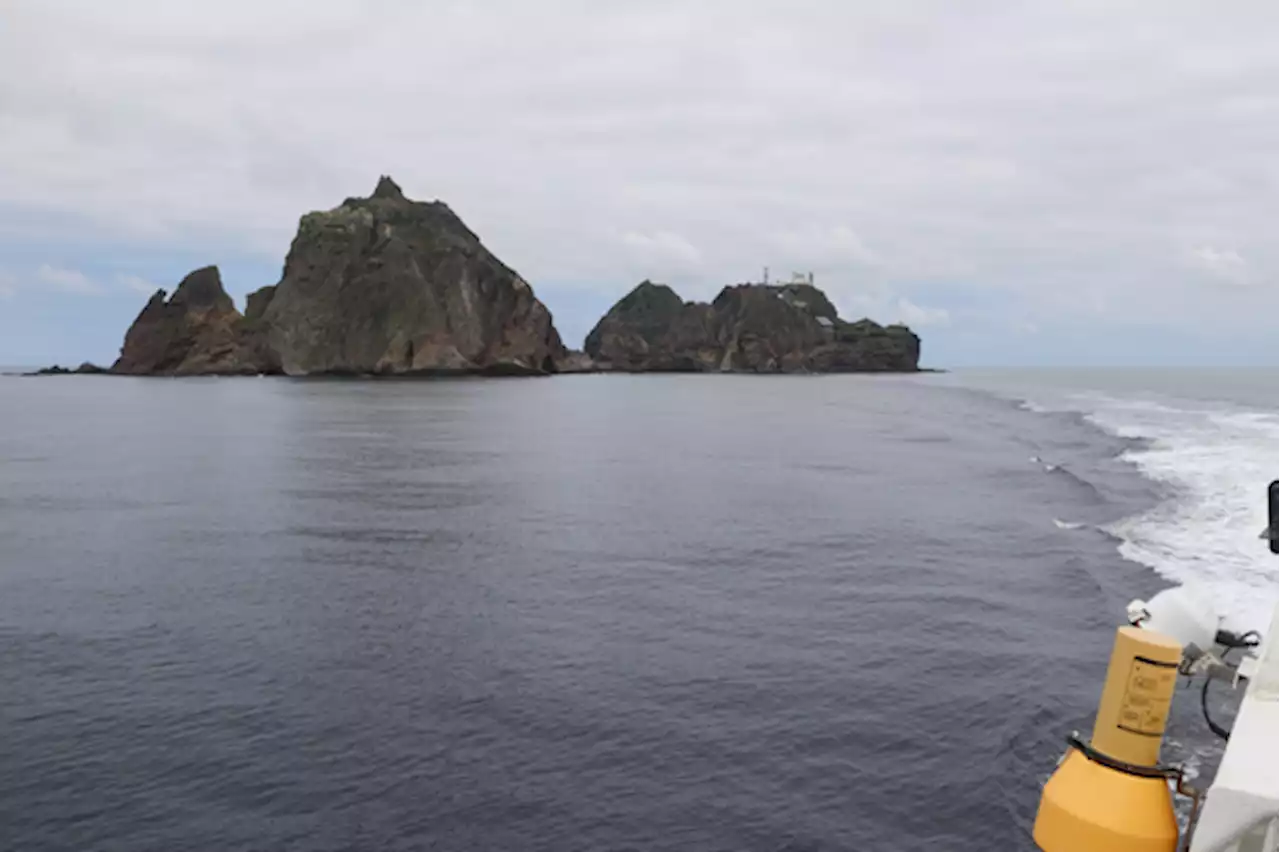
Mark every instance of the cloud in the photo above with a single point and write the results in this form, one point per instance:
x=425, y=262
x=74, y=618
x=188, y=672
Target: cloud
x=67, y=280
x=136, y=283
x=1222, y=264
x=836, y=246
x=8, y=286
x=1041, y=149
x=917, y=316
x=662, y=248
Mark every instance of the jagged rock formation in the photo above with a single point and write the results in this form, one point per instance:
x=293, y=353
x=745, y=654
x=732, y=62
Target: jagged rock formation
x=379, y=285
x=388, y=285
x=256, y=302
x=747, y=328
x=197, y=331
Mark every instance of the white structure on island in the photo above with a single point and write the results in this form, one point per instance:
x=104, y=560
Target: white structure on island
x=798, y=279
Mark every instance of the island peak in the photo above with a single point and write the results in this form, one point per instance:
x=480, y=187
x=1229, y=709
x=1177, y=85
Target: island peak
x=388, y=188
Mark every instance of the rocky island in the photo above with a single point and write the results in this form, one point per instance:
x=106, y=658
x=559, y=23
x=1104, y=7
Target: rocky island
x=379, y=285
x=385, y=285
x=753, y=328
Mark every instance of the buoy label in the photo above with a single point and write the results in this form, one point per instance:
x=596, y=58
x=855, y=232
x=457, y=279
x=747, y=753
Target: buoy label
x=1145, y=707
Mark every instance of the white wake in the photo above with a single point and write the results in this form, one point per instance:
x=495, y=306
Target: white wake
x=1219, y=462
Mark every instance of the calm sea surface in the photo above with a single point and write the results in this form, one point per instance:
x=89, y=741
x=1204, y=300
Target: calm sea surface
x=593, y=612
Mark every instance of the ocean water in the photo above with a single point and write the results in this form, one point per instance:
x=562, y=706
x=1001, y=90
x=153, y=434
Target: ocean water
x=1208, y=437
x=593, y=612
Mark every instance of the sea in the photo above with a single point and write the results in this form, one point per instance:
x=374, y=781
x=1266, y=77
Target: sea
x=597, y=612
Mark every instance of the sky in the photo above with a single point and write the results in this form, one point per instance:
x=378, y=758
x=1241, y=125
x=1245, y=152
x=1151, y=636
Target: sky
x=1023, y=183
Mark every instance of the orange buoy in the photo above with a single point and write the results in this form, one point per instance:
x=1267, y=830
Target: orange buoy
x=1098, y=799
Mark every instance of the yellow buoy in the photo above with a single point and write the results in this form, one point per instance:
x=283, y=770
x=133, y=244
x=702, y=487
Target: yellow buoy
x=1102, y=802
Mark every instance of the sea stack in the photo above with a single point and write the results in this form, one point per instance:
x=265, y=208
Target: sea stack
x=196, y=331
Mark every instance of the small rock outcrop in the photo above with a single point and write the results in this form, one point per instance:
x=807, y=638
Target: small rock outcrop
x=752, y=328
x=85, y=369
x=196, y=331
x=387, y=285
x=256, y=303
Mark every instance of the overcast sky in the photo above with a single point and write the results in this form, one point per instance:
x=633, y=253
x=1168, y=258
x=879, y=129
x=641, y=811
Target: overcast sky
x=1022, y=182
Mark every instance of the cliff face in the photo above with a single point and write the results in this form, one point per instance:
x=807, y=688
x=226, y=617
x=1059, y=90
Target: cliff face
x=387, y=285
x=376, y=285
x=747, y=328
x=196, y=331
